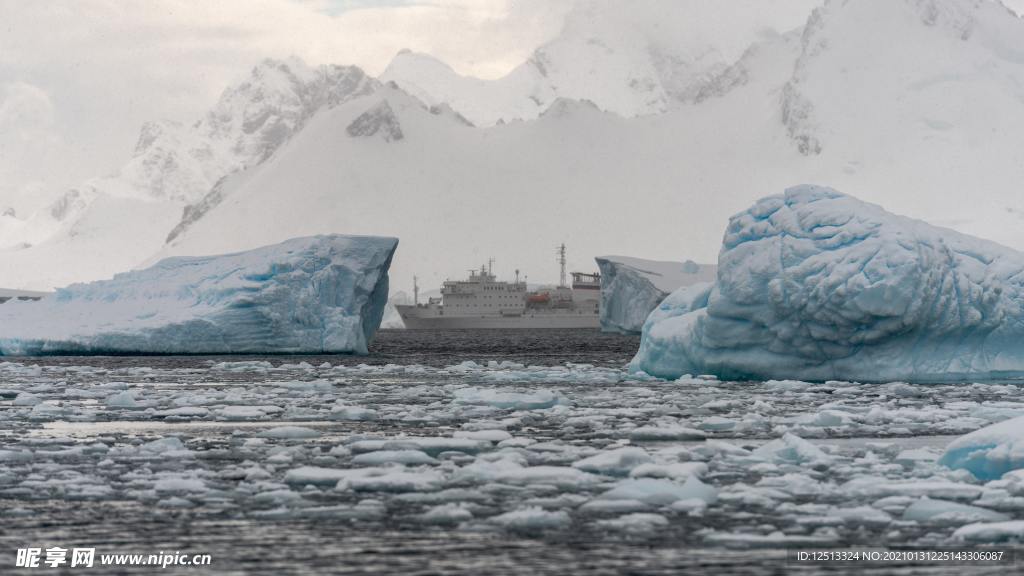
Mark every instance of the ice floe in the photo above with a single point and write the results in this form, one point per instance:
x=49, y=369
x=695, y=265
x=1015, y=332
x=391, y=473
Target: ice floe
x=709, y=463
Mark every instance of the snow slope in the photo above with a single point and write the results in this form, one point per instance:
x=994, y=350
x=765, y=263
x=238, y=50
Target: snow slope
x=816, y=285
x=306, y=295
x=921, y=97
x=632, y=287
x=126, y=217
x=458, y=195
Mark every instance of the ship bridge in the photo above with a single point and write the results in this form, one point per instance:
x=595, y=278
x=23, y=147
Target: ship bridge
x=483, y=293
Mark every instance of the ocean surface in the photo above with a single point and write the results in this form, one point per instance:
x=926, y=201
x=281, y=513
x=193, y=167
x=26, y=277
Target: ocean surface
x=477, y=452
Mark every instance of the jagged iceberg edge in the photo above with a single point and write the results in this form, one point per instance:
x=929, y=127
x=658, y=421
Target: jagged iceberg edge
x=632, y=287
x=319, y=294
x=816, y=285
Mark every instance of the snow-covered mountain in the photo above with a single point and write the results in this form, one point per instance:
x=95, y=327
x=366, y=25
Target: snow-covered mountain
x=924, y=98
x=126, y=217
x=910, y=103
x=630, y=58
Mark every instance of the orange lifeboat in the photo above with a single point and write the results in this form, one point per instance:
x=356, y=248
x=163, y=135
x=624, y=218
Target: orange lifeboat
x=542, y=298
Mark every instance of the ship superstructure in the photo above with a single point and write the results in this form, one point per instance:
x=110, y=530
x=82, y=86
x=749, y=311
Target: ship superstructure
x=483, y=301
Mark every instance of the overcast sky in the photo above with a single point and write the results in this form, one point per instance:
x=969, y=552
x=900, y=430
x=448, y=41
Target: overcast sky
x=79, y=77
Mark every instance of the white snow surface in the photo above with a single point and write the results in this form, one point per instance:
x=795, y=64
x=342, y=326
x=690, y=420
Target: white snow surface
x=632, y=287
x=631, y=59
x=313, y=295
x=818, y=285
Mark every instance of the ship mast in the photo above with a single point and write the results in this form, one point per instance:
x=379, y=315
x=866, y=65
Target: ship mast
x=561, y=262
x=415, y=291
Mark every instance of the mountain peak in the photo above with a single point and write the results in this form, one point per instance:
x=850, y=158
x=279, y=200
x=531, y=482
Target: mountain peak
x=563, y=107
x=632, y=59
x=378, y=120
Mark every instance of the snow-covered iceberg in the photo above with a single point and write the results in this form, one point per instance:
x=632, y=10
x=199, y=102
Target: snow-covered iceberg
x=632, y=287
x=990, y=452
x=817, y=285
x=306, y=295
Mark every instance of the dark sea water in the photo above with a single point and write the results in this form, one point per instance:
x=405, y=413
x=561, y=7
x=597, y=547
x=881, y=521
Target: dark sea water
x=42, y=505
x=426, y=347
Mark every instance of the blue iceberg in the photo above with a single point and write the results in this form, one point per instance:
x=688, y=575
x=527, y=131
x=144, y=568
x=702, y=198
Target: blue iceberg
x=322, y=294
x=817, y=285
x=632, y=287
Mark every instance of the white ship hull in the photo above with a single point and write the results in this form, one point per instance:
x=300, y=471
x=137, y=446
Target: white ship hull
x=482, y=301
x=415, y=321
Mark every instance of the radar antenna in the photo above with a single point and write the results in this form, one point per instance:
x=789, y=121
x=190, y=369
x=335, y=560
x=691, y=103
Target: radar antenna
x=561, y=262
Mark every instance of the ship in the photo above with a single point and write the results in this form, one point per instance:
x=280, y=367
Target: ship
x=483, y=301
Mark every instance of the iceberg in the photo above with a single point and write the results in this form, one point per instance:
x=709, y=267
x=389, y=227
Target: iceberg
x=321, y=294
x=632, y=287
x=817, y=285
x=990, y=452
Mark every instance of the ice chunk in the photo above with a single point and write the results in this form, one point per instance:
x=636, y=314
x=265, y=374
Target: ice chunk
x=398, y=480
x=632, y=287
x=242, y=413
x=878, y=487
x=928, y=510
x=289, y=433
x=991, y=531
x=308, y=295
x=537, y=400
x=616, y=462
x=325, y=476
x=164, y=446
x=177, y=483
x=717, y=424
x=484, y=435
x=916, y=457
x=341, y=411
x=674, y=470
x=773, y=540
x=657, y=492
x=532, y=520
x=124, y=399
x=511, y=472
x=446, y=514
x=817, y=285
x=990, y=452
x=636, y=523
x=381, y=457
x=792, y=449
x=667, y=432
x=26, y=399
x=614, y=506
x=183, y=412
